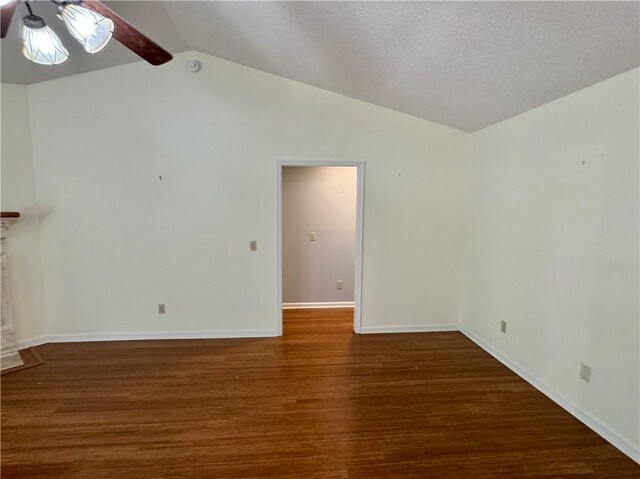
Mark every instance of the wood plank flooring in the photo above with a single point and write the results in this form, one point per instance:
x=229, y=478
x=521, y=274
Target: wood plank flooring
x=319, y=402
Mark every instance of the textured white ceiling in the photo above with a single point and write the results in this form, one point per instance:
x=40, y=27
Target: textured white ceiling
x=463, y=64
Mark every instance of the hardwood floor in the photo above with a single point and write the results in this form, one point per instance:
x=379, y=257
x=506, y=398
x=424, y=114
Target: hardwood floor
x=318, y=402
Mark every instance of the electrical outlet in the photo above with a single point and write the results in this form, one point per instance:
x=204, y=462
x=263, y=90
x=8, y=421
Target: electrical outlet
x=313, y=236
x=585, y=372
x=253, y=245
x=503, y=326
x=339, y=284
x=161, y=309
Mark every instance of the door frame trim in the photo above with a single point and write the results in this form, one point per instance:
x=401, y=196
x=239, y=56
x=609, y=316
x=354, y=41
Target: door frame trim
x=357, y=278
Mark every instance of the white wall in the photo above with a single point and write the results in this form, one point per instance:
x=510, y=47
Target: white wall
x=19, y=194
x=553, y=247
x=117, y=241
x=320, y=200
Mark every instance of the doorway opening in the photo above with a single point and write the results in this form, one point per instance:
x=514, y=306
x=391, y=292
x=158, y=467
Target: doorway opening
x=320, y=234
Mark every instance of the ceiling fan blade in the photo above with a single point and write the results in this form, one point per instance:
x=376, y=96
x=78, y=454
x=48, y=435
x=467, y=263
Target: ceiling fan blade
x=130, y=36
x=6, y=12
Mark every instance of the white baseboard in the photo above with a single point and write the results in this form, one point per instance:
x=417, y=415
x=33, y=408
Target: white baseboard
x=340, y=304
x=432, y=328
x=624, y=445
x=28, y=343
x=91, y=337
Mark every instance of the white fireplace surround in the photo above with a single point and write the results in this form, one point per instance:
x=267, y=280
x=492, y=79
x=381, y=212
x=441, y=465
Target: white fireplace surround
x=9, y=355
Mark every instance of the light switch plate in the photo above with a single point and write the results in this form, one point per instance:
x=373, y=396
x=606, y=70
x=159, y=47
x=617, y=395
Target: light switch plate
x=253, y=245
x=313, y=236
x=585, y=372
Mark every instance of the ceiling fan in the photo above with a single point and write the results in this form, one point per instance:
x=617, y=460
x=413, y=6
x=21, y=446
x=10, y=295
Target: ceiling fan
x=89, y=21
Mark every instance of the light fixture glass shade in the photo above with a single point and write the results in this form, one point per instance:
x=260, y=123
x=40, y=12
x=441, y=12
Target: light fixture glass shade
x=40, y=44
x=91, y=29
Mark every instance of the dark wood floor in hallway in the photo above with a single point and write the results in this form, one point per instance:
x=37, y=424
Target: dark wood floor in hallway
x=319, y=402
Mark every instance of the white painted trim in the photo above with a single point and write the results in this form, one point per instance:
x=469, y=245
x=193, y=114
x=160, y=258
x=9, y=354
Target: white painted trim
x=341, y=304
x=358, y=260
x=279, y=320
x=28, y=343
x=624, y=445
x=431, y=328
x=357, y=283
x=91, y=337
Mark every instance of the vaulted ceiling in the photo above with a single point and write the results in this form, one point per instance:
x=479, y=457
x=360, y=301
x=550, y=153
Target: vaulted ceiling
x=462, y=64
